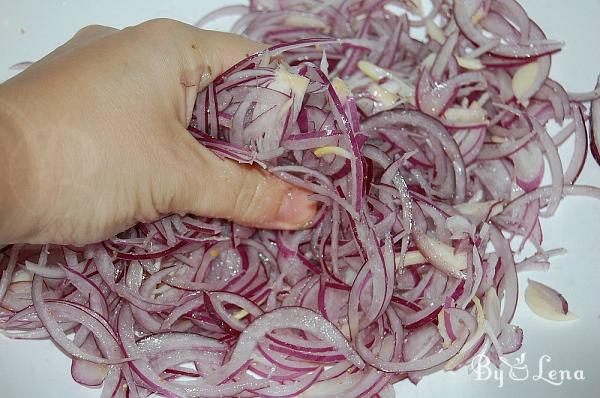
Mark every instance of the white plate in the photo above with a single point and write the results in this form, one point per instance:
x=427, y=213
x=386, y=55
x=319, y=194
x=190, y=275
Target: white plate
x=31, y=28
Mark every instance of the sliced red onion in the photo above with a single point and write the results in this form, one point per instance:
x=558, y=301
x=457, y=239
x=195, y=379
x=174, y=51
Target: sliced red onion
x=423, y=154
x=465, y=12
x=286, y=317
x=8, y=270
x=529, y=167
x=595, y=127
x=21, y=65
x=292, y=389
x=88, y=373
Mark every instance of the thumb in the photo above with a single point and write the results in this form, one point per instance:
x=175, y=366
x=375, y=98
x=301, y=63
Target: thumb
x=223, y=188
x=247, y=195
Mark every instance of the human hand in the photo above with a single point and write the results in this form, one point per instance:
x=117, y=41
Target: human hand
x=93, y=139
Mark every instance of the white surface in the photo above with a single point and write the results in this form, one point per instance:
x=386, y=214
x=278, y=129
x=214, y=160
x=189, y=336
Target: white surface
x=31, y=28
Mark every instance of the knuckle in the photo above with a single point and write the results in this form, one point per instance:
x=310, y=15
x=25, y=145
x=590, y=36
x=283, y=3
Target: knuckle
x=158, y=26
x=160, y=34
x=248, y=199
x=89, y=29
x=92, y=31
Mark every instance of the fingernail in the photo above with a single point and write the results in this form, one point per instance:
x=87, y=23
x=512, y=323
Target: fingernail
x=296, y=210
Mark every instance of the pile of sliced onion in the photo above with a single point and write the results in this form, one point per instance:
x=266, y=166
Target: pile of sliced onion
x=426, y=157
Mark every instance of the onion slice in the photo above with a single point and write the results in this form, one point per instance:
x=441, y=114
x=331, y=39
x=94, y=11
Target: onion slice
x=547, y=302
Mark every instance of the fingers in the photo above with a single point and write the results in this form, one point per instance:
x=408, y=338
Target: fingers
x=206, y=185
x=251, y=196
x=245, y=194
x=223, y=188
x=208, y=54
x=215, y=52
x=205, y=51
x=199, y=55
x=87, y=35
